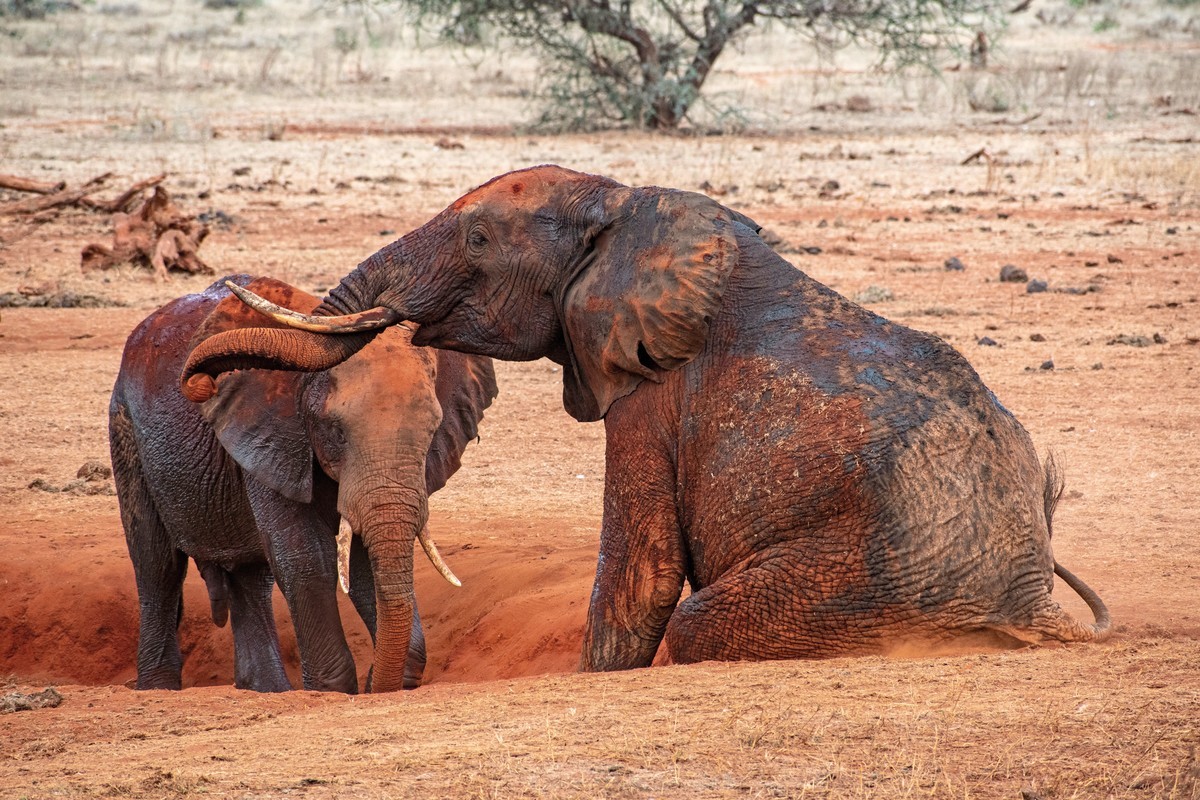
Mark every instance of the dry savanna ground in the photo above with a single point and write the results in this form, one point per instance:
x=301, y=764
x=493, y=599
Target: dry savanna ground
x=308, y=143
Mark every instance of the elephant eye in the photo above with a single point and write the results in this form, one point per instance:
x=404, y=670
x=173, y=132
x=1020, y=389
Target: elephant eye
x=477, y=239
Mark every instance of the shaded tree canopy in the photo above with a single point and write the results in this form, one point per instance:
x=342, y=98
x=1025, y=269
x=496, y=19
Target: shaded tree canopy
x=644, y=62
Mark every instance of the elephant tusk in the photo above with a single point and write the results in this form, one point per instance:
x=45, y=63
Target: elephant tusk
x=344, y=535
x=435, y=557
x=369, y=320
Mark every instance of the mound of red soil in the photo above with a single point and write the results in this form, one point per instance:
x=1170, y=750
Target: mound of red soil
x=70, y=614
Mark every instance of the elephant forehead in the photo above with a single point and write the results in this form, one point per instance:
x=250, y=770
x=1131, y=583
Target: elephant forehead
x=525, y=185
x=389, y=369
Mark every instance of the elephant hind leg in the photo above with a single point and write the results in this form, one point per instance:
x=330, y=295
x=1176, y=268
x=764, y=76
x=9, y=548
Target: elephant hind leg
x=771, y=611
x=158, y=567
x=257, y=662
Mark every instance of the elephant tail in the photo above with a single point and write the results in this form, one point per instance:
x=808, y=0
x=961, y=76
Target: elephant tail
x=1101, y=629
x=216, y=580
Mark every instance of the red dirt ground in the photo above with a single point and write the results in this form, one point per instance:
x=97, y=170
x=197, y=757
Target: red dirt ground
x=1104, y=208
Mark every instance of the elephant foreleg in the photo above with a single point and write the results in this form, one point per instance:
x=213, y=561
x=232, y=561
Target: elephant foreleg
x=640, y=571
x=302, y=552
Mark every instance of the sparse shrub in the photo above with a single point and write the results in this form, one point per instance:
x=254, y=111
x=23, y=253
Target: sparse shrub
x=35, y=9
x=643, y=63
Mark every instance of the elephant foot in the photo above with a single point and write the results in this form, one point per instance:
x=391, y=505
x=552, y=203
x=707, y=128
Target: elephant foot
x=344, y=683
x=265, y=686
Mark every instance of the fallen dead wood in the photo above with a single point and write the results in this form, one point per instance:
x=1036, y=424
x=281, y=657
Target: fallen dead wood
x=58, y=196
x=64, y=197
x=157, y=235
x=20, y=184
x=126, y=199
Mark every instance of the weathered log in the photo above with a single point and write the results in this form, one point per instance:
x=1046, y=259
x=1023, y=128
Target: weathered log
x=66, y=197
x=20, y=184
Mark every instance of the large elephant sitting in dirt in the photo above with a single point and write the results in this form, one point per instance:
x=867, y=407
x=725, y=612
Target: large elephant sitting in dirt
x=828, y=482
x=252, y=482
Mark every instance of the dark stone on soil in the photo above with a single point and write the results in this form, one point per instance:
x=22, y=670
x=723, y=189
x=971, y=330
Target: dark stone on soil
x=1132, y=340
x=56, y=300
x=1012, y=274
x=94, y=471
x=1036, y=286
x=953, y=264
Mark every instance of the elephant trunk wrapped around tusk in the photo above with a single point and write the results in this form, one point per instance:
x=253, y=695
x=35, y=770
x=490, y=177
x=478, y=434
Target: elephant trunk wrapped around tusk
x=345, y=533
x=369, y=320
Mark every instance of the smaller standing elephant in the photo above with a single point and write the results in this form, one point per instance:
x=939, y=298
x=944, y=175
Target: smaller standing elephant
x=252, y=482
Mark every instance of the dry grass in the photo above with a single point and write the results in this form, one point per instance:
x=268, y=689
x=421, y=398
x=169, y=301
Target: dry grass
x=1083, y=723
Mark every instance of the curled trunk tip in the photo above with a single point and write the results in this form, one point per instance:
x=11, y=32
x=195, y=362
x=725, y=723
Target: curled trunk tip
x=199, y=388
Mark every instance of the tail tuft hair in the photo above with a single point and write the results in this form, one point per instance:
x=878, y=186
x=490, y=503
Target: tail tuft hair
x=1052, y=491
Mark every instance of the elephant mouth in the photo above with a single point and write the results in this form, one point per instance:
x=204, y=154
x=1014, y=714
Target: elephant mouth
x=428, y=335
x=447, y=331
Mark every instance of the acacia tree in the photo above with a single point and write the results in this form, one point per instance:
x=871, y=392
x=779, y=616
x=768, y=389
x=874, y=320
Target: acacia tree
x=643, y=62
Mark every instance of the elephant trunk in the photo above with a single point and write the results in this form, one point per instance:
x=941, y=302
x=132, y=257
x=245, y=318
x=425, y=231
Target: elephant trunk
x=392, y=566
x=263, y=348
x=392, y=285
x=382, y=280
x=389, y=518
x=360, y=290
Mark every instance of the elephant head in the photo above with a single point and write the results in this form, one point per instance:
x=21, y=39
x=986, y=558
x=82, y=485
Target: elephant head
x=368, y=422
x=618, y=284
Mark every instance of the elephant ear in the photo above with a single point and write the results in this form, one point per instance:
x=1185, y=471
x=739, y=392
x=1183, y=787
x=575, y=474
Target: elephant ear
x=642, y=300
x=255, y=413
x=466, y=386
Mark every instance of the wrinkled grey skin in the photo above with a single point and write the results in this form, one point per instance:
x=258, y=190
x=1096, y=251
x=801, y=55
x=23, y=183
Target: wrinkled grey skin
x=827, y=481
x=251, y=485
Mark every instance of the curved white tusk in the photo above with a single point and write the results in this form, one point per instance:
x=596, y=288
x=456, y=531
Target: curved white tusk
x=344, y=535
x=436, y=558
x=369, y=320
